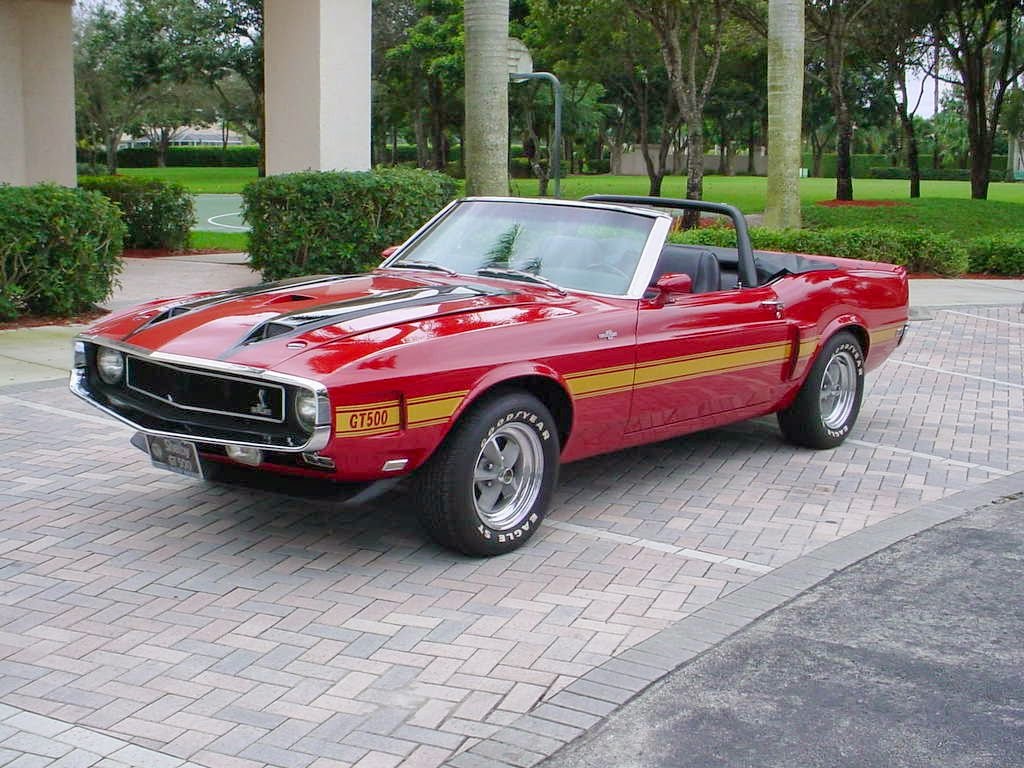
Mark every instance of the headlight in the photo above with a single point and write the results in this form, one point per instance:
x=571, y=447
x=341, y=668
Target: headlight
x=110, y=365
x=306, y=408
x=79, y=354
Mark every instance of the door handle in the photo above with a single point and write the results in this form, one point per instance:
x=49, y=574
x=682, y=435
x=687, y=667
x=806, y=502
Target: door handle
x=775, y=305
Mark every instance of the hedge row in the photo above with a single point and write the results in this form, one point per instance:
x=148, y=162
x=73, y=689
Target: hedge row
x=179, y=157
x=336, y=222
x=59, y=250
x=927, y=174
x=158, y=214
x=918, y=250
x=863, y=165
x=1001, y=254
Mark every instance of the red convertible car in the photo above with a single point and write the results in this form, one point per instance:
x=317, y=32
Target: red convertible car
x=504, y=338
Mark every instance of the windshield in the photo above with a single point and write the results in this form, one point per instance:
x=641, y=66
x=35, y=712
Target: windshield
x=579, y=248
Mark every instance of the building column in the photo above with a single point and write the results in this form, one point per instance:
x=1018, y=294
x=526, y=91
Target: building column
x=1015, y=162
x=317, y=84
x=37, y=92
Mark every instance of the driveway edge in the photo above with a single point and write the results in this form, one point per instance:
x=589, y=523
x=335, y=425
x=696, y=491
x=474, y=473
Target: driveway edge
x=582, y=704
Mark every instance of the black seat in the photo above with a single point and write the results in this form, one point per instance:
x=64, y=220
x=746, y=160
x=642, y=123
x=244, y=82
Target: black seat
x=702, y=267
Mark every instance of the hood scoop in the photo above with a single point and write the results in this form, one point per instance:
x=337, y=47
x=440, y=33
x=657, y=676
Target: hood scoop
x=306, y=320
x=240, y=293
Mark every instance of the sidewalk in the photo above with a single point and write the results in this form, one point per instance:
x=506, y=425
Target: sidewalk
x=40, y=354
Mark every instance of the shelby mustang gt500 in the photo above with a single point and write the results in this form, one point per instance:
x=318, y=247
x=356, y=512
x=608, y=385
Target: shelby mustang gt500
x=504, y=338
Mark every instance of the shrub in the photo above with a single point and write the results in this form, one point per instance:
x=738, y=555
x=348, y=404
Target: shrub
x=916, y=249
x=178, y=157
x=336, y=222
x=927, y=174
x=158, y=214
x=596, y=166
x=1000, y=254
x=59, y=250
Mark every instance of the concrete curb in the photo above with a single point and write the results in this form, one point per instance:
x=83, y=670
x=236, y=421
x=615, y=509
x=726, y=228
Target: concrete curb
x=581, y=705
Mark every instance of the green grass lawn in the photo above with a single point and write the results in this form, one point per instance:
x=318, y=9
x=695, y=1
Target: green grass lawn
x=219, y=241
x=214, y=181
x=945, y=206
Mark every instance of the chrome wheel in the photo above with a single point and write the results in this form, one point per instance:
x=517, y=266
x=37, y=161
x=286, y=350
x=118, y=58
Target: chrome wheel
x=508, y=475
x=838, y=390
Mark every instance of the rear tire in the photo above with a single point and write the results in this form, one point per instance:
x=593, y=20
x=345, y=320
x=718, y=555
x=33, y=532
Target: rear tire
x=489, y=485
x=828, y=403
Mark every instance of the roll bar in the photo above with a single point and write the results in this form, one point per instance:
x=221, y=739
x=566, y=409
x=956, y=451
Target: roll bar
x=747, y=272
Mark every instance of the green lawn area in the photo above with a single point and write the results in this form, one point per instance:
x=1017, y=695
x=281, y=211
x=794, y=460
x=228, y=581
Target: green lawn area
x=945, y=206
x=219, y=241
x=214, y=181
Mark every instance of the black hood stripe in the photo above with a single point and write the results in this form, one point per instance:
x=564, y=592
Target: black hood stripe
x=240, y=293
x=302, y=321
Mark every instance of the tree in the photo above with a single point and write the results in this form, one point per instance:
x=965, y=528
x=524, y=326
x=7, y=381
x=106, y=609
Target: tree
x=689, y=33
x=119, y=58
x=834, y=27
x=785, y=108
x=171, y=107
x=431, y=60
x=983, y=42
x=599, y=41
x=218, y=39
x=485, y=149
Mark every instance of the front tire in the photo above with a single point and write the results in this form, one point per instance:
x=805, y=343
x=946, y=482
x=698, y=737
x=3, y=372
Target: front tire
x=489, y=485
x=828, y=403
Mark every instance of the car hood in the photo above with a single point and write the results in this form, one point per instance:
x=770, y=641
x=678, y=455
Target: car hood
x=265, y=325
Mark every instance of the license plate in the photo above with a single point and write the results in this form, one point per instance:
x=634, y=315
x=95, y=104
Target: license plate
x=175, y=455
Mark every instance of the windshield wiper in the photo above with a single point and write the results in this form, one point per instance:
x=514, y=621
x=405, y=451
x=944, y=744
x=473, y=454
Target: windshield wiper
x=521, y=275
x=411, y=264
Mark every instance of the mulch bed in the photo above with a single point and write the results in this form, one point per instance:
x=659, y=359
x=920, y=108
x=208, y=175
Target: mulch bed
x=37, y=322
x=860, y=203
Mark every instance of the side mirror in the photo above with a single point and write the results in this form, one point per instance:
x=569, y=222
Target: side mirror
x=388, y=252
x=671, y=284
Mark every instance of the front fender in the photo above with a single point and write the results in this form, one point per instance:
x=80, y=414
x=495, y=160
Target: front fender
x=509, y=372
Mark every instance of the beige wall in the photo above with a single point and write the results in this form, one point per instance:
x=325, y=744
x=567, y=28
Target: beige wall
x=37, y=92
x=317, y=84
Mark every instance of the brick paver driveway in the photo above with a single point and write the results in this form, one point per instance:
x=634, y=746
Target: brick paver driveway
x=146, y=619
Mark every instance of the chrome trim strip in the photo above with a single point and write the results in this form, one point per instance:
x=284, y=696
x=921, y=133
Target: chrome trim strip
x=649, y=258
x=166, y=401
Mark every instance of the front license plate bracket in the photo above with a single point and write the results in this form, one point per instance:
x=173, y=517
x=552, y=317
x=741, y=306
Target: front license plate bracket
x=174, y=455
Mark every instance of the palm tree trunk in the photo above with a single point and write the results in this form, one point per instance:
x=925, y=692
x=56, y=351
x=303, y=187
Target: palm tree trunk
x=785, y=109
x=486, y=143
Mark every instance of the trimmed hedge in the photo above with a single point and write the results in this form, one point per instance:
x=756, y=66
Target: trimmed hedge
x=59, y=250
x=863, y=166
x=1001, y=254
x=336, y=222
x=916, y=249
x=158, y=214
x=927, y=174
x=247, y=156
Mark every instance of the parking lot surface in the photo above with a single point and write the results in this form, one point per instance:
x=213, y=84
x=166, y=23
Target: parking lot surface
x=150, y=620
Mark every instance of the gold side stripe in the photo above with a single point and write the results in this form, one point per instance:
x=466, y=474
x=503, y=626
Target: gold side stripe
x=435, y=409
x=438, y=396
x=366, y=406
x=711, y=364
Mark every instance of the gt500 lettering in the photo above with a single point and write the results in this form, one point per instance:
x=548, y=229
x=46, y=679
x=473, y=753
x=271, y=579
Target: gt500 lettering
x=368, y=419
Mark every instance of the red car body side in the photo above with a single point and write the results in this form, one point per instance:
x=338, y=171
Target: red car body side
x=615, y=372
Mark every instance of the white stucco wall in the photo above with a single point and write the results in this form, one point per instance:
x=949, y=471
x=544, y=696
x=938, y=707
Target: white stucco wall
x=317, y=64
x=37, y=92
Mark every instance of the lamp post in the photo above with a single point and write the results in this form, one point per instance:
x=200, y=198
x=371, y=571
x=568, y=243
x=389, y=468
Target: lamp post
x=556, y=141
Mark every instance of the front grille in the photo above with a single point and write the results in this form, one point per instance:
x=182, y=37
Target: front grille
x=206, y=392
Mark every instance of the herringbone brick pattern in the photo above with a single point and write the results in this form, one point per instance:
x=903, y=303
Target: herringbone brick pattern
x=235, y=627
